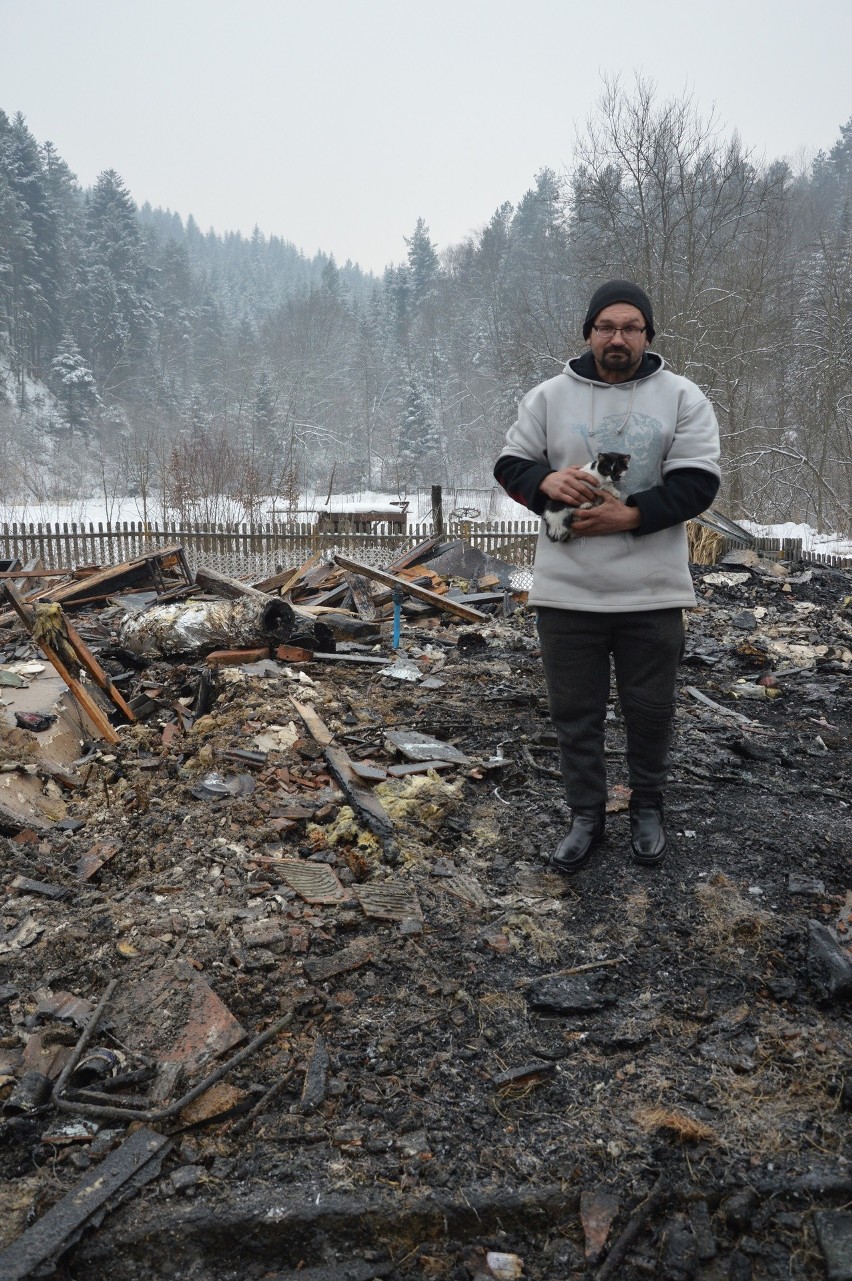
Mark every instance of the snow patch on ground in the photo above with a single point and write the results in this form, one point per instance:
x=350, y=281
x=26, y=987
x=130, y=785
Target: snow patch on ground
x=812, y=540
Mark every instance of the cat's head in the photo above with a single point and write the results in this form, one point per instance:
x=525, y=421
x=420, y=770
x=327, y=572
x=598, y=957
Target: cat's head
x=613, y=465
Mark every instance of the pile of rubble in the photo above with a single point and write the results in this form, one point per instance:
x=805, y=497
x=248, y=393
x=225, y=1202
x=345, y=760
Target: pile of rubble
x=288, y=988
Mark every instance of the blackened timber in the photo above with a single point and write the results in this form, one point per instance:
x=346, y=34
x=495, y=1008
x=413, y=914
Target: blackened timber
x=306, y=630
x=334, y=596
x=480, y=598
x=97, y=673
x=315, y=1084
x=128, y=574
x=288, y=578
x=361, y=595
x=84, y=656
x=345, y=627
x=368, y=806
x=221, y=585
x=122, y=1173
x=410, y=589
x=415, y=554
x=438, y=511
x=83, y=587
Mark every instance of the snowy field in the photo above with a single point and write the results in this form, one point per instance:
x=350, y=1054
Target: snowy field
x=479, y=504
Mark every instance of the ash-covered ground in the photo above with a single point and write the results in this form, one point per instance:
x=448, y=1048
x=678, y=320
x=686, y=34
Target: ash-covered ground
x=485, y=1069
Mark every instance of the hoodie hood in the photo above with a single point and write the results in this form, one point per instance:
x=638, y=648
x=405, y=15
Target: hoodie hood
x=584, y=368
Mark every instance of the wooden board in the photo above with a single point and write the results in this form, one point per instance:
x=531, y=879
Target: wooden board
x=288, y=578
x=82, y=695
x=319, y=731
x=415, y=554
x=409, y=589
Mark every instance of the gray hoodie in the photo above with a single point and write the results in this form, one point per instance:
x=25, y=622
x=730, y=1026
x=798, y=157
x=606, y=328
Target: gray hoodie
x=664, y=422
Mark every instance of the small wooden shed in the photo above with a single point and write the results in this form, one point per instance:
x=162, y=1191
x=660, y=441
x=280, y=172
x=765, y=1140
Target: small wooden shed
x=352, y=520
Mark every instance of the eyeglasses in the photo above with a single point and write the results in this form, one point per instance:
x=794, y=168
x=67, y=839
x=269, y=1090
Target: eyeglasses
x=606, y=330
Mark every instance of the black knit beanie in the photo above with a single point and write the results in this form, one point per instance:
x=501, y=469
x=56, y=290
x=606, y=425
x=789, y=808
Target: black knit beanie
x=619, y=291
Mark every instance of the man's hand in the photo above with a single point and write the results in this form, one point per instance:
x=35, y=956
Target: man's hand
x=570, y=485
x=612, y=516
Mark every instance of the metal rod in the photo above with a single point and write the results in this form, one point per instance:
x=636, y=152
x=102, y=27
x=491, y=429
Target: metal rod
x=163, y=1114
x=85, y=1037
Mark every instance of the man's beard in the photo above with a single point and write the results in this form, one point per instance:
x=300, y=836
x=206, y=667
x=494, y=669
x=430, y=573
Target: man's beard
x=618, y=359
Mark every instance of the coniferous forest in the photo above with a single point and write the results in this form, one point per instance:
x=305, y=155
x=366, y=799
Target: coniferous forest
x=141, y=355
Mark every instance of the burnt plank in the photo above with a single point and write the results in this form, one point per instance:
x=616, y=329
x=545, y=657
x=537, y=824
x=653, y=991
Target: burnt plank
x=421, y=593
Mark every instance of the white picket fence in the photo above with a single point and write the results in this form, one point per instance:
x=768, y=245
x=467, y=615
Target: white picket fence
x=257, y=550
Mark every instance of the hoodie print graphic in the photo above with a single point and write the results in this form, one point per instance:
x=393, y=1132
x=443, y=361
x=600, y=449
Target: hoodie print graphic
x=641, y=437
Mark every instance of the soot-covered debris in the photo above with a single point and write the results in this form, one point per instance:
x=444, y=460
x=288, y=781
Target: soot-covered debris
x=387, y=1040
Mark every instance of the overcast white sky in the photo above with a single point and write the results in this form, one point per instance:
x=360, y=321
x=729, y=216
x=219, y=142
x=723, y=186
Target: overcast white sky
x=337, y=123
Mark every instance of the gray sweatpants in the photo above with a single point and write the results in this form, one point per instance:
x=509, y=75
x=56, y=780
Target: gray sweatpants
x=646, y=648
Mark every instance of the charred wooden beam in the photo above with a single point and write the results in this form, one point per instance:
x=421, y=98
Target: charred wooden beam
x=305, y=629
x=410, y=589
x=361, y=595
x=123, y=1172
x=86, y=701
x=415, y=554
x=128, y=574
x=103, y=582
x=365, y=804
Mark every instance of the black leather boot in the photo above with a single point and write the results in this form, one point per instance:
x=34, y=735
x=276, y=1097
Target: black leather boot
x=648, y=841
x=585, y=832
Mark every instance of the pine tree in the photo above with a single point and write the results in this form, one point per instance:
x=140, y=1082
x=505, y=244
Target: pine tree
x=419, y=440
x=115, y=309
x=74, y=386
x=66, y=201
x=174, y=317
x=831, y=182
x=422, y=262
x=28, y=250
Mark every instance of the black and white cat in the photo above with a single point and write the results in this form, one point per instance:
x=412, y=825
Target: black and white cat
x=558, y=517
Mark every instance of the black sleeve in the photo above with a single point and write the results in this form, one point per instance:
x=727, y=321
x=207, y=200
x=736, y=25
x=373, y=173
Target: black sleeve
x=520, y=477
x=684, y=493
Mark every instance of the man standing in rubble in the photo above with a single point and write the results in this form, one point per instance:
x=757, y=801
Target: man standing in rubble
x=618, y=585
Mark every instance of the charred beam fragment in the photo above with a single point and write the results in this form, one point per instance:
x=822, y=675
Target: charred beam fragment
x=410, y=589
x=304, y=628
x=122, y=1174
x=365, y=804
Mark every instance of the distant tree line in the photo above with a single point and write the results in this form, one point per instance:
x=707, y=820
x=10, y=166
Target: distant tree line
x=193, y=368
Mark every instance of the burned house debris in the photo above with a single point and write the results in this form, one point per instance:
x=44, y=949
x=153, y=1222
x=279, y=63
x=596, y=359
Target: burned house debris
x=288, y=988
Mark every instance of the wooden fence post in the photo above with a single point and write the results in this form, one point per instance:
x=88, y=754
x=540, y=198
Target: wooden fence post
x=437, y=511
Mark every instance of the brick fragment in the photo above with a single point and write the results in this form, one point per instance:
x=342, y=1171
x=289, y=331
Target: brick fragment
x=293, y=654
x=234, y=657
